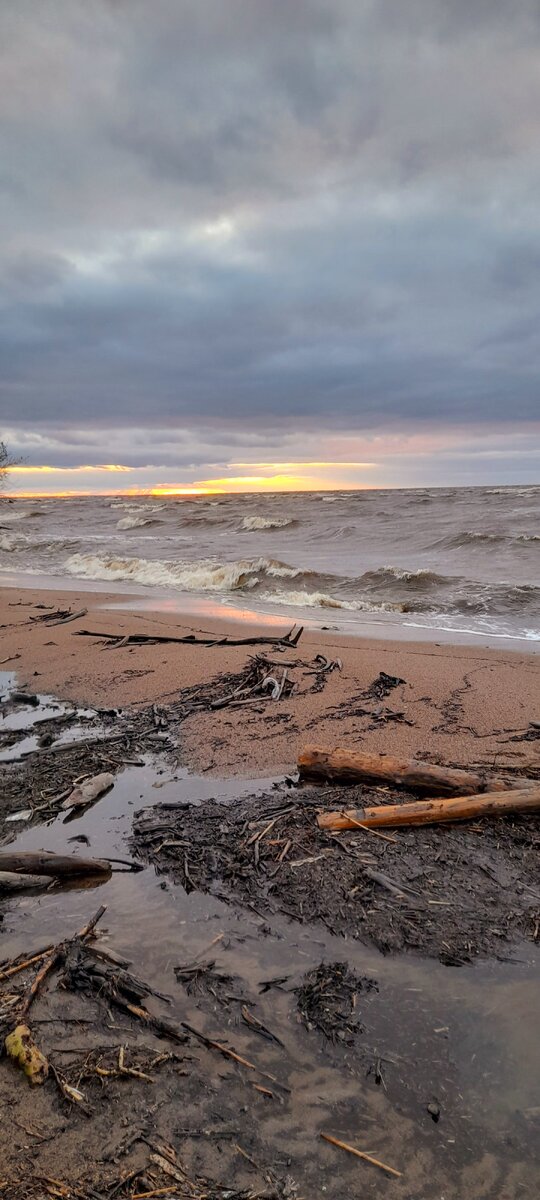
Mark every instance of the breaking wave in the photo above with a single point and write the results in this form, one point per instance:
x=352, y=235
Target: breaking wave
x=254, y=523
x=10, y=542
x=510, y=491
x=136, y=506
x=420, y=580
x=136, y=522
x=201, y=576
x=18, y=515
x=322, y=600
x=387, y=589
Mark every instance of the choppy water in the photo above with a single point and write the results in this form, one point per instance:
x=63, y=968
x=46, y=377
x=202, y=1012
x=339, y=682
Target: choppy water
x=446, y=558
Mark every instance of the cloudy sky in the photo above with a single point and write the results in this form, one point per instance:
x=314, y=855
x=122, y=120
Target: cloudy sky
x=258, y=243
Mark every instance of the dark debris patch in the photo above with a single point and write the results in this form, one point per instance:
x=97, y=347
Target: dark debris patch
x=327, y=1000
x=202, y=979
x=381, y=687
x=452, y=892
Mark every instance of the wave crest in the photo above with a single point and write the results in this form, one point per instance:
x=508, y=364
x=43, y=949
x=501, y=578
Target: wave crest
x=322, y=600
x=18, y=515
x=135, y=522
x=200, y=576
x=254, y=523
x=10, y=542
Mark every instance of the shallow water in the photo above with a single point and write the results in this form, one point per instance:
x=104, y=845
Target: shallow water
x=26, y=719
x=454, y=559
x=467, y=1037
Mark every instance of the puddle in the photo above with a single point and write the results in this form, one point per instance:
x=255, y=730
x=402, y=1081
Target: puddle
x=25, y=718
x=465, y=1038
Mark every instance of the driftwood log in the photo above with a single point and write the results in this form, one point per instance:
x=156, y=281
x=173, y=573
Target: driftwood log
x=89, y=790
x=431, y=812
x=40, y=862
x=291, y=638
x=349, y=766
x=12, y=881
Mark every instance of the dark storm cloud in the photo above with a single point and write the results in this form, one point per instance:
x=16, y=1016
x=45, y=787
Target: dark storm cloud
x=220, y=217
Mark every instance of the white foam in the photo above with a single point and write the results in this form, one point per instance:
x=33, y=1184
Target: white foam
x=9, y=542
x=322, y=600
x=254, y=523
x=402, y=575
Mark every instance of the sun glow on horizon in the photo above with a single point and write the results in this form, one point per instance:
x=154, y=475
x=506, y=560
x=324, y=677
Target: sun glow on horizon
x=308, y=476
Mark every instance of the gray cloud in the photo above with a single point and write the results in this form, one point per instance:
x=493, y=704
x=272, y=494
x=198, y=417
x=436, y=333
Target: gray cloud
x=227, y=217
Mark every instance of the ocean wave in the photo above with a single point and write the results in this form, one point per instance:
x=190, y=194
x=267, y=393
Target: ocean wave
x=419, y=580
x=10, y=542
x=254, y=523
x=136, y=522
x=322, y=600
x=17, y=515
x=203, y=519
x=532, y=490
x=137, y=506
x=20, y=542
x=200, y=576
x=471, y=537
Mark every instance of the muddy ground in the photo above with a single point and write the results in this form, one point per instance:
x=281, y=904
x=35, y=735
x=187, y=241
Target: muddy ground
x=317, y=984
x=451, y=892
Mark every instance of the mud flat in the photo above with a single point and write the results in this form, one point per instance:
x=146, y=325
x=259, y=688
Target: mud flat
x=284, y=982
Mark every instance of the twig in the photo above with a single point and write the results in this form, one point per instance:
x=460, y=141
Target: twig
x=28, y=962
x=164, y=1191
x=244, y=1062
x=360, y=1154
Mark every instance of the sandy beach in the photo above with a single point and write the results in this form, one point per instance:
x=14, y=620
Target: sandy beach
x=269, y=957
x=459, y=704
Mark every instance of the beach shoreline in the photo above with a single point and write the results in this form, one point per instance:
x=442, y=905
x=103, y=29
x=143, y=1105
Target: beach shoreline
x=213, y=849
x=455, y=703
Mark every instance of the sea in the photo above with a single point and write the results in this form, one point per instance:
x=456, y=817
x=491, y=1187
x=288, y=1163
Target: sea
x=454, y=560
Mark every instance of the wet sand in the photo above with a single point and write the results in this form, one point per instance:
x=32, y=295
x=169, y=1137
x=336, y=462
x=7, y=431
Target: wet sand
x=459, y=704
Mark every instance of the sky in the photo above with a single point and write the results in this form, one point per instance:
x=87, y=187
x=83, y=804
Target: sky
x=264, y=244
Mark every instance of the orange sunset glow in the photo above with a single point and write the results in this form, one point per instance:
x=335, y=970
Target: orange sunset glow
x=270, y=477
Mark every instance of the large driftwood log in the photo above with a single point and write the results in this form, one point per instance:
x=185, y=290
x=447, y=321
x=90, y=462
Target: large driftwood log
x=40, y=862
x=155, y=639
x=12, y=881
x=431, y=812
x=349, y=766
